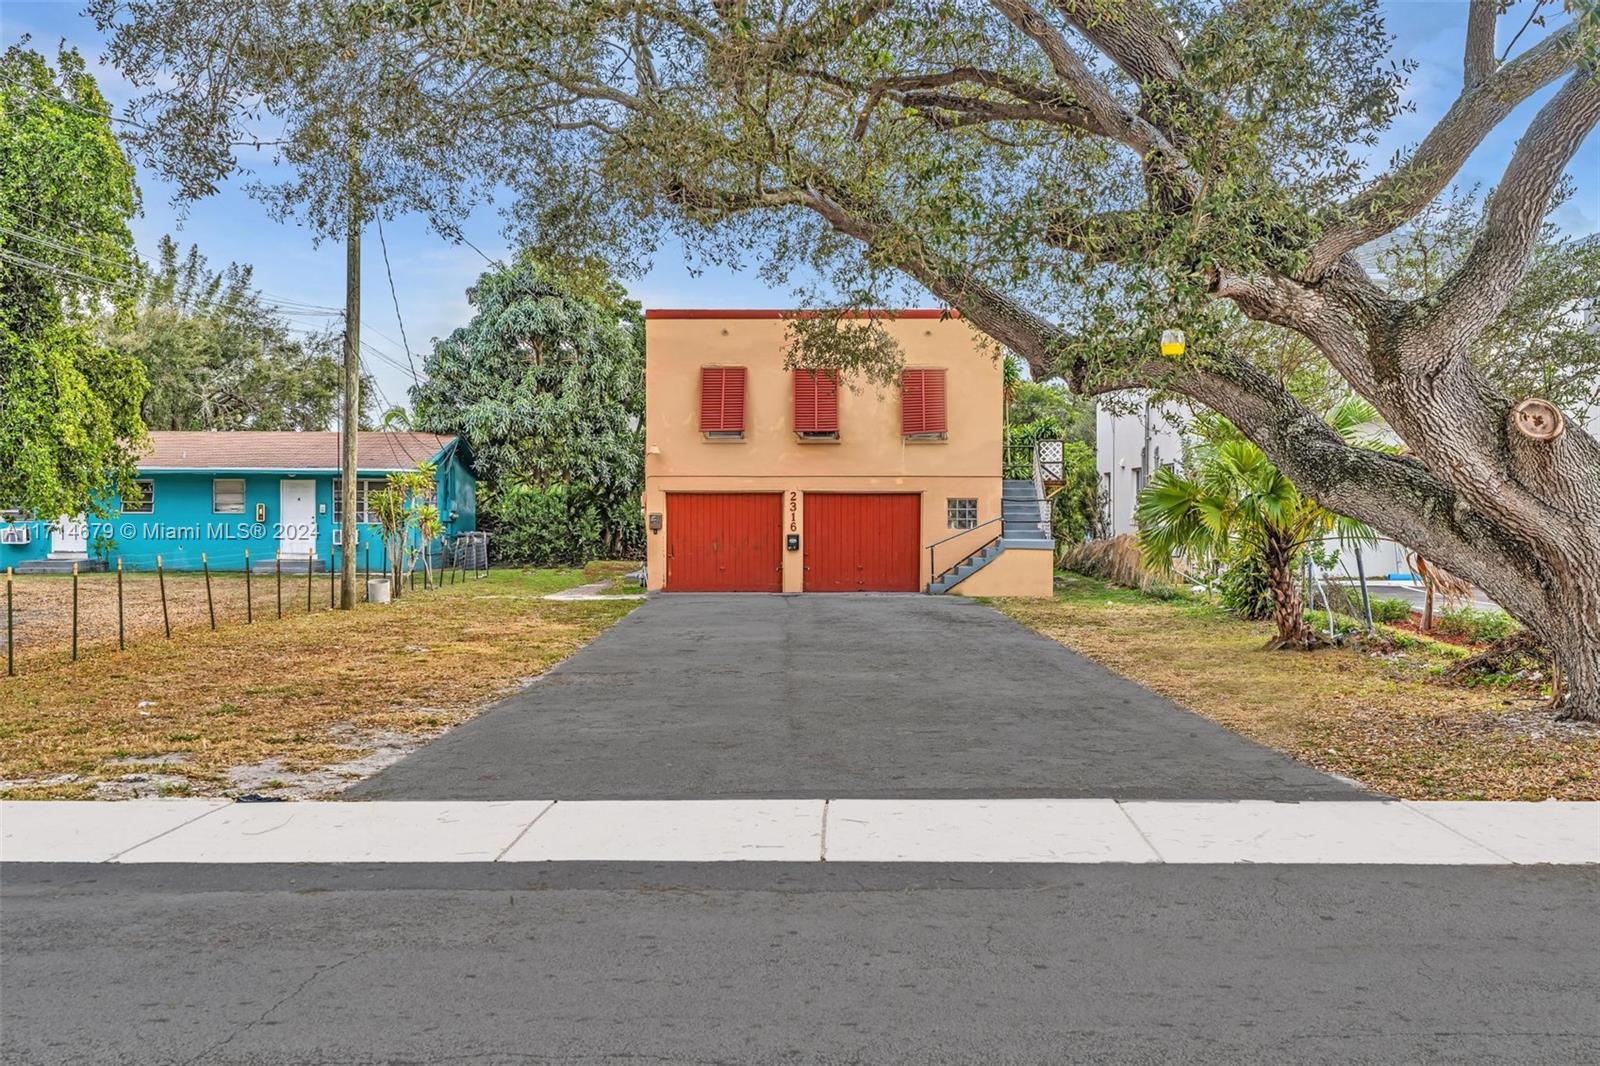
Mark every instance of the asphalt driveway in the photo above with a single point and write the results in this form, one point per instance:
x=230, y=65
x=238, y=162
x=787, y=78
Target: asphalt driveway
x=717, y=696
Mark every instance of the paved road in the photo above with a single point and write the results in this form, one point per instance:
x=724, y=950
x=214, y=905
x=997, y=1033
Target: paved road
x=591, y=964
x=819, y=696
x=1417, y=596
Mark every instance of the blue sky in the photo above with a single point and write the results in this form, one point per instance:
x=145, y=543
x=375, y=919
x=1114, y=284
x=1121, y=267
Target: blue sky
x=431, y=274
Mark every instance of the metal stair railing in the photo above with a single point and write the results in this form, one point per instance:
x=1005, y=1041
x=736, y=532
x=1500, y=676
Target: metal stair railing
x=939, y=575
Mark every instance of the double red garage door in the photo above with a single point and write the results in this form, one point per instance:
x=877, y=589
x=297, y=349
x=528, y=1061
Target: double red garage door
x=852, y=542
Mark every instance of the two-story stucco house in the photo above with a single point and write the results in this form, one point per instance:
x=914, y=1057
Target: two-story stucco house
x=764, y=479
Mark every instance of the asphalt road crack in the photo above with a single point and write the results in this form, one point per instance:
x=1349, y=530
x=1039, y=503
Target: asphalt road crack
x=271, y=1010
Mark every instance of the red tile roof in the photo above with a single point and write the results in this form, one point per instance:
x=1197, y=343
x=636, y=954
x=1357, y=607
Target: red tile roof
x=271, y=450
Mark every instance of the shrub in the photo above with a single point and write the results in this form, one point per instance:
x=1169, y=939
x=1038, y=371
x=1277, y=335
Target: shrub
x=1343, y=624
x=542, y=527
x=1115, y=560
x=1242, y=586
x=1478, y=626
x=1390, y=609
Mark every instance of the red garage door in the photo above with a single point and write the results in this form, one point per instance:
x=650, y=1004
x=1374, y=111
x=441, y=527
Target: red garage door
x=724, y=542
x=863, y=542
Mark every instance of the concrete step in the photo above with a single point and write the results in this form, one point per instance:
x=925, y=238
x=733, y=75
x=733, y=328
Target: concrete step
x=965, y=569
x=292, y=564
x=60, y=565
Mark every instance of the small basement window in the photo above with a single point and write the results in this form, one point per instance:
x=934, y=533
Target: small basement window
x=147, y=499
x=227, y=495
x=962, y=512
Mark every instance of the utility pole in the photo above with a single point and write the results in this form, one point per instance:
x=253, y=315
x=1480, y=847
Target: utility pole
x=351, y=419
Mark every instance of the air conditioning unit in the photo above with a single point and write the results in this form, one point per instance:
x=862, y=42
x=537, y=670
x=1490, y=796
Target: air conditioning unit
x=16, y=535
x=338, y=537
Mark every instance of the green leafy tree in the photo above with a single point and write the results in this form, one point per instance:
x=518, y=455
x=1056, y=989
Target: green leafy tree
x=546, y=387
x=1074, y=178
x=1046, y=411
x=1232, y=505
x=69, y=406
x=403, y=507
x=1049, y=401
x=217, y=354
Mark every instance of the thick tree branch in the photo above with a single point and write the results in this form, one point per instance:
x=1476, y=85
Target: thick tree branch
x=1134, y=34
x=1480, y=288
x=1094, y=95
x=1479, y=60
x=948, y=109
x=1395, y=198
x=1032, y=103
x=1397, y=496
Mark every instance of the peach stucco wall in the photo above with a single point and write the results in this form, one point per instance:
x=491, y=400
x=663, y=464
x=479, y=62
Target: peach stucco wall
x=870, y=456
x=1014, y=572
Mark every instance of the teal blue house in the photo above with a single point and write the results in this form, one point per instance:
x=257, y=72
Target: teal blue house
x=249, y=496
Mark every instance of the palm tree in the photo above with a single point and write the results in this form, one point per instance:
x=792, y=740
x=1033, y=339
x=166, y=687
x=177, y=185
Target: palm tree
x=1233, y=500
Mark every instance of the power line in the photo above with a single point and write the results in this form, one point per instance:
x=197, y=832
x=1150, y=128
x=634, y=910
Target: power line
x=109, y=116
x=38, y=237
x=59, y=270
x=400, y=437
x=404, y=341
x=34, y=94
x=370, y=328
x=63, y=272
x=379, y=353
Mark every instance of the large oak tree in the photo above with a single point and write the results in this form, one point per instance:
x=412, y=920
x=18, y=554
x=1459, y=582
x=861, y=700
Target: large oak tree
x=1075, y=176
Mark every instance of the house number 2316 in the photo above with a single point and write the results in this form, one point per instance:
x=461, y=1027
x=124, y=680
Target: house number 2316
x=794, y=510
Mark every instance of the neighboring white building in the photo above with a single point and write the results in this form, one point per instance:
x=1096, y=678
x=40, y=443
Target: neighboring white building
x=1122, y=438
x=1129, y=447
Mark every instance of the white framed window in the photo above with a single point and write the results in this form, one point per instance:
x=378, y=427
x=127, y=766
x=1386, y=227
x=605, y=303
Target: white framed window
x=147, y=499
x=227, y=495
x=962, y=512
x=364, y=489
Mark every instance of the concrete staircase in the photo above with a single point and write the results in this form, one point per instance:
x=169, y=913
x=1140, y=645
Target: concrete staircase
x=1023, y=524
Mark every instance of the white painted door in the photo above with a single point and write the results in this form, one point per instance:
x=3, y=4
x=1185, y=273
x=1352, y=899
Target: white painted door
x=69, y=536
x=297, y=517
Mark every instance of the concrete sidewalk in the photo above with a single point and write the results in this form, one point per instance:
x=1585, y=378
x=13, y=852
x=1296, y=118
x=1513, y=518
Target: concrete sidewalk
x=804, y=830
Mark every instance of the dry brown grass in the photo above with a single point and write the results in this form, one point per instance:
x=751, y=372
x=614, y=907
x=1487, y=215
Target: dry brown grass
x=310, y=691
x=1386, y=721
x=43, y=607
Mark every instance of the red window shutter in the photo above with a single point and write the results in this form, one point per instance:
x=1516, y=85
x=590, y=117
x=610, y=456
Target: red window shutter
x=922, y=397
x=722, y=399
x=816, y=401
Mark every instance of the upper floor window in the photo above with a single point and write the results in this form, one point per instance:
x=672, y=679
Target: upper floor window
x=146, y=501
x=722, y=402
x=816, y=404
x=922, y=394
x=227, y=495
